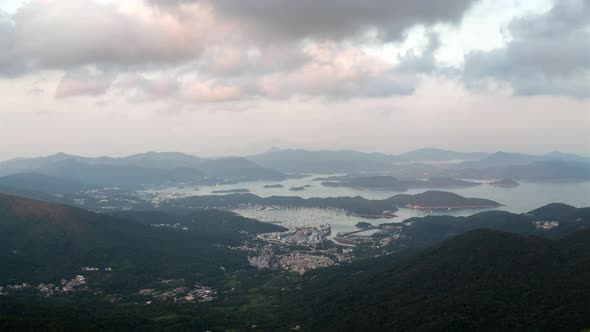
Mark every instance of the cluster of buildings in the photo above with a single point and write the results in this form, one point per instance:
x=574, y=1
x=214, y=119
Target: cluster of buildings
x=88, y=269
x=311, y=236
x=65, y=286
x=263, y=261
x=546, y=225
x=175, y=226
x=182, y=295
x=16, y=287
x=300, y=262
x=158, y=197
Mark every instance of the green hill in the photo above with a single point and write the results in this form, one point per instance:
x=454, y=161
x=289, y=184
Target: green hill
x=42, y=241
x=441, y=199
x=483, y=280
x=41, y=183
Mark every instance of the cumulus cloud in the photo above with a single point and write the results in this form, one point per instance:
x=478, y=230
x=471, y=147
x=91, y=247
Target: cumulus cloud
x=548, y=54
x=197, y=51
x=67, y=33
x=326, y=70
x=181, y=88
x=223, y=50
x=336, y=71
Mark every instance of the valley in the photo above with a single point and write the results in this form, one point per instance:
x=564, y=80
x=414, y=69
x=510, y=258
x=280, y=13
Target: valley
x=241, y=253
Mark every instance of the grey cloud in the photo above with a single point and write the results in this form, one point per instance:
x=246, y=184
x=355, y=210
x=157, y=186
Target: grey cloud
x=334, y=19
x=67, y=33
x=548, y=54
x=7, y=43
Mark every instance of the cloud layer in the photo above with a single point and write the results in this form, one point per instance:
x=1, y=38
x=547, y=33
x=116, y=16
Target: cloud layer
x=332, y=19
x=205, y=51
x=548, y=54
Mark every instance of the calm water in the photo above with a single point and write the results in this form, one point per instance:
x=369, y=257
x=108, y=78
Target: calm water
x=526, y=197
x=291, y=217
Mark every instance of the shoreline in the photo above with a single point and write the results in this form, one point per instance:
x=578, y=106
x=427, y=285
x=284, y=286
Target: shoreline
x=451, y=207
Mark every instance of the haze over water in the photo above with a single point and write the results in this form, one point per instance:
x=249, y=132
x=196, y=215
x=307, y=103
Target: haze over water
x=524, y=198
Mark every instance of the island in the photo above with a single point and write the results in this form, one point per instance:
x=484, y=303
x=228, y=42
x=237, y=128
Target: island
x=385, y=182
x=354, y=206
x=440, y=182
x=271, y=186
x=333, y=178
x=231, y=191
x=441, y=200
x=300, y=188
x=363, y=225
x=508, y=183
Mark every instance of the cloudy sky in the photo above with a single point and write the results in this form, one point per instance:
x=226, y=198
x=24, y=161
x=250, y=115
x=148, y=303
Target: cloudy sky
x=220, y=77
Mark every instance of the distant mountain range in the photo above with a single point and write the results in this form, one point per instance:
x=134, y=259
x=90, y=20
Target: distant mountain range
x=324, y=162
x=432, y=154
x=538, y=170
x=348, y=161
x=501, y=159
x=161, y=168
x=152, y=168
x=392, y=183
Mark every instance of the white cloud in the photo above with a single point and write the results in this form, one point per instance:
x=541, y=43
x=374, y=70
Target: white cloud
x=66, y=33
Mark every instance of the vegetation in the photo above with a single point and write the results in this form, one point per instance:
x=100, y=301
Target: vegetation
x=504, y=183
x=231, y=191
x=441, y=199
x=358, y=204
x=482, y=280
x=137, y=170
x=352, y=204
x=363, y=225
x=389, y=182
x=449, y=273
x=43, y=242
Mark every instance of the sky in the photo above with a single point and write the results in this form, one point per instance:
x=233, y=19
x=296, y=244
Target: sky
x=237, y=77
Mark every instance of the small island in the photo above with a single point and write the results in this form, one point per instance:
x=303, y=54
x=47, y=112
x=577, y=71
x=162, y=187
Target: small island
x=508, y=183
x=231, y=191
x=298, y=188
x=271, y=186
x=385, y=182
x=333, y=178
x=440, y=182
x=363, y=225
